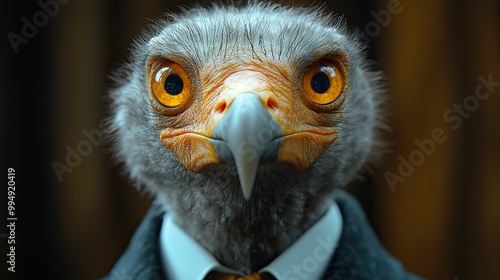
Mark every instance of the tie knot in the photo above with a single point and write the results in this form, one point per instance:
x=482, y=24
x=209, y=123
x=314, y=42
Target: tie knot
x=254, y=276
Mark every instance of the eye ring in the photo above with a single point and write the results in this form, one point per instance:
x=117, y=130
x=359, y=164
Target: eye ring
x=324, y=82
x=170, y=84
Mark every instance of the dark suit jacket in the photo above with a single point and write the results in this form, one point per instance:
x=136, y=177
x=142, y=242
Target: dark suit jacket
x=359, y=254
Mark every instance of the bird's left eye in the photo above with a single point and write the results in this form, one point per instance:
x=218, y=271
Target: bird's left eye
x=170, y=84
x=323, y=82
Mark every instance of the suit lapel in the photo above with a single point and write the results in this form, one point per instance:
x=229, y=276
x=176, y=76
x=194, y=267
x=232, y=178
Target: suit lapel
x=141, y=259
x=359, y=254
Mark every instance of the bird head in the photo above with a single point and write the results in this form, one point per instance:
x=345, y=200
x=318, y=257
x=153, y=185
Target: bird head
x=246, y=114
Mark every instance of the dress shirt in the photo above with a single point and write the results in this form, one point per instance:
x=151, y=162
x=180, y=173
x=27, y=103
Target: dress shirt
x=308, y=257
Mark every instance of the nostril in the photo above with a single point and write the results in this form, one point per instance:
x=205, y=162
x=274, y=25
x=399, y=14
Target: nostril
x=272, y=103
x=220, y=107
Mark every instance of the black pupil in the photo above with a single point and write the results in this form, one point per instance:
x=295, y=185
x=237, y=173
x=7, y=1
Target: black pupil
x=174, y=84
x=320, y=82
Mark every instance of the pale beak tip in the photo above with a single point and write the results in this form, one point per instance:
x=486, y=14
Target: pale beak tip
x=246, y=194
x=247, y=178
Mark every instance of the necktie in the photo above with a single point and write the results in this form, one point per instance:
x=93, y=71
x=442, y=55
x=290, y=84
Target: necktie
x=254, y=276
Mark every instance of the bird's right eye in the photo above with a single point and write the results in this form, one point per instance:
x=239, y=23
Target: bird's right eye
x=170, y=84
x=324, y=82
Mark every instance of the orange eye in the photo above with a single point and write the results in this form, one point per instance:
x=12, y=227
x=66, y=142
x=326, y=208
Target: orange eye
x=323, y=82
x=170, y=84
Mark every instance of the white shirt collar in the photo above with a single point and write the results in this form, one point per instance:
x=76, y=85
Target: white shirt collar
x=307, y=258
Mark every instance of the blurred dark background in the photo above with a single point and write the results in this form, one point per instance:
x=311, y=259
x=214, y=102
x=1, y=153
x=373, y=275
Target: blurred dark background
x=441, y=218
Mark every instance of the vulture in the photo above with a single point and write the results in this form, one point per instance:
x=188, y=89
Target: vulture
x=245, y=122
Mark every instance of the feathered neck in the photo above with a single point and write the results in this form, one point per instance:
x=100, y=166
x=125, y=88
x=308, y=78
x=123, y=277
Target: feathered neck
x=246, y=235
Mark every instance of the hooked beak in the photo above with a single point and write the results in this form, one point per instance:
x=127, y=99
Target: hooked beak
x=247, y=136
